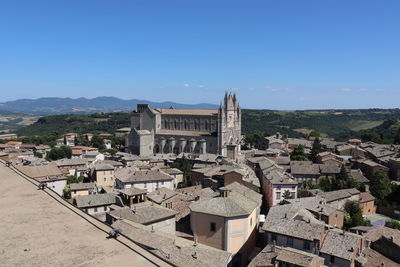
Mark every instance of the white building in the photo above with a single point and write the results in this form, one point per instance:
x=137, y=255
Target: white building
x=148, y=180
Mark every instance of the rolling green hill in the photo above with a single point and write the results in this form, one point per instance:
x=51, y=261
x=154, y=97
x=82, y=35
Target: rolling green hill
x=374, y=124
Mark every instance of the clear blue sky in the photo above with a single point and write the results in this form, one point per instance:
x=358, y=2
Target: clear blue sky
x=277, y=54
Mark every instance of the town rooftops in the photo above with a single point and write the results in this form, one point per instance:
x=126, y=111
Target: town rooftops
x=175, y=250
x=82, y=186
x=358, y=176
x=143, y=213
x=339, y=194
x=329, y=169
x=278, y=177
x=171, y=171
x=245, y=191
x=270, y=254
x=161, y=194
x=127, y=175
x=341, y=244
x=366, y=197
x=49, y=171
x=71, y=162
x=304, y=168
x=295, y=221
x=132, y=191
x=95, y=200
x=377, y=233
x=103, y=167
x=315, y=204
x=232, y=205
x=112, y=162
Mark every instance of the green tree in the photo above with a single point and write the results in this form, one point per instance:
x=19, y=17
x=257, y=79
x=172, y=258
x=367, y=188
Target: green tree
x=353, y=215
x=67, y=192
x=314, y=134
x=393, y=224
x=72, y=179
x=184, y=165
x=38, y=154
x=287, y=195
x=380, y=186
x=59, y=153
x=325, y=184
x=112, y=151
x=298, y=154
x=97, y=142
x=397, y=138
x=67, y=151
x=317, y=148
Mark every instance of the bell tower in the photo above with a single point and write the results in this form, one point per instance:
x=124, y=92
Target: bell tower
x=229, y=127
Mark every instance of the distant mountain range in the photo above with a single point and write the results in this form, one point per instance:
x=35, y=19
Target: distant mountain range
x=57, y=105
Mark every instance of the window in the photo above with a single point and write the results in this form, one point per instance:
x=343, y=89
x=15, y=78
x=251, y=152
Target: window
x=104, y=172
x=162, y=182
x=306, y=245
x=145, y=185
x=278, y=187
x=278, y=195
x=294, y=187
x=105, y=208
x=95, y=209
x=332, y=259
x=290, y=242
x=273, y=237
x=105, y=179
x=212, y=227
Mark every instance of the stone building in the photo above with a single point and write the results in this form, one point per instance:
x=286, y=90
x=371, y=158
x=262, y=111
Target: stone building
x=197, y=131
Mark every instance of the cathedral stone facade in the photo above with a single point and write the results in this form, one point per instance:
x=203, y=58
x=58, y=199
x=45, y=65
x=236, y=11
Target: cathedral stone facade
x=196, y=131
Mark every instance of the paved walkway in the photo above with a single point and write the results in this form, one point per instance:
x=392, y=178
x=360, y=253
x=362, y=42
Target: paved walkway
x=38, y=228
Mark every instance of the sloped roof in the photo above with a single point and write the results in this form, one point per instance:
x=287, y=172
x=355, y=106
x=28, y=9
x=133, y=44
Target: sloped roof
x=245, y=191
x=162, y=194
x=71, y=162
x=82, y=186
x=358, y=176
x=95, y=200
x=132, y=191
x=366, y=197
x=127, y=175
x=278, y=177
x=235, y=204
x=304, y=168
x=341, y=244
x=176, y=250
x=41, y=171
x=143, y=213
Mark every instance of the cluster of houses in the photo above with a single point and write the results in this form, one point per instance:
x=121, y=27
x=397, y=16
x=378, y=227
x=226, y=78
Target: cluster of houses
x=234, y=213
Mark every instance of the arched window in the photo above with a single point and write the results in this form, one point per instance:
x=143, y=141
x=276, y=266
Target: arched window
x=176, y=125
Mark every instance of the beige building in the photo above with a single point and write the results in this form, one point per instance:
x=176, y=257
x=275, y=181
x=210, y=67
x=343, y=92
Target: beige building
x=155, y=217
x=367, y=203
x=228, y=222
x=103, y=175
x=82, y=189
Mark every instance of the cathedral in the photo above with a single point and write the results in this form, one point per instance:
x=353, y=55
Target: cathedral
x=195, y=131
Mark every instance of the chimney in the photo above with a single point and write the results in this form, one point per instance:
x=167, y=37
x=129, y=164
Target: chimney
x=224, y=191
